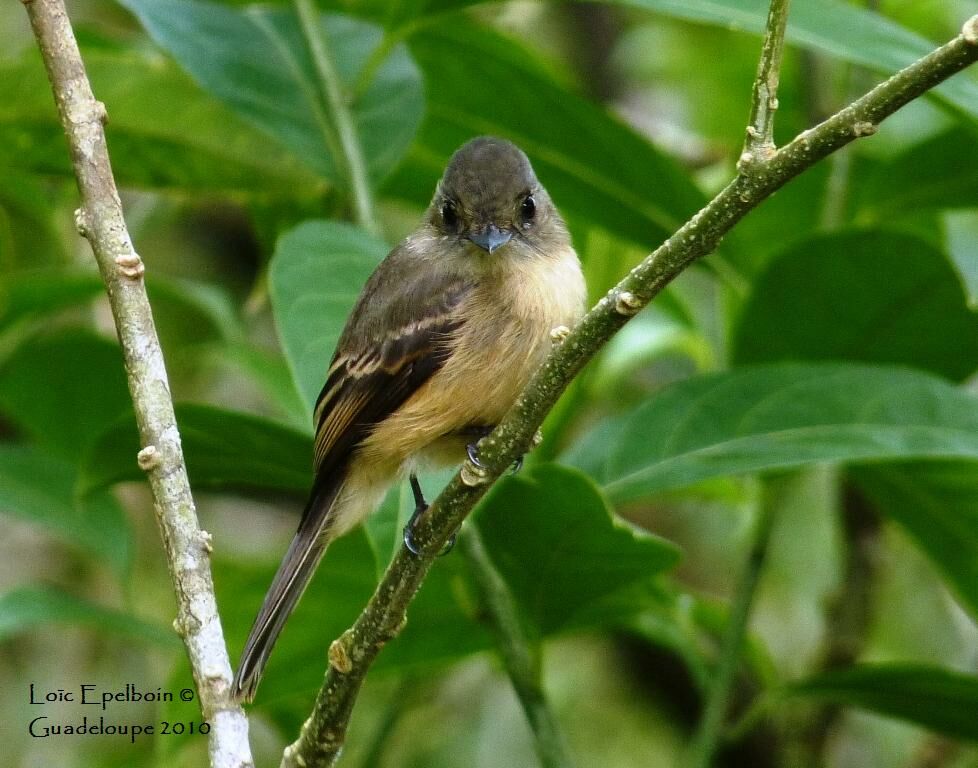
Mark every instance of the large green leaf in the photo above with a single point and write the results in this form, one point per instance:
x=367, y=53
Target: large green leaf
x=879, y=297
x=927, y=176
x=961, y=233
x=37, y=292
x=936, y=698
x=23, y=609
x=256, y=60
x=29, y=235
x=40, y=488
x=269, y=371
x=564, y=557
x=776, y=417
x=594, y=166
x=63, y=389
x=565, y=560
x=936, y=502
x=832, y=27
x=163, y=131
x=318, y=270
x=224, y=449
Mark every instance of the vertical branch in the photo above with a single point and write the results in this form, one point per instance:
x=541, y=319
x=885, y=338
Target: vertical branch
x=350, y=156
x=759, y=144
x=759, y=149
x=519, y=655
x=100, y=220
x=718, y=697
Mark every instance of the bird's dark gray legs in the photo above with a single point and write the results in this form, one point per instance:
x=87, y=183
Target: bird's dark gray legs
x=420, y=505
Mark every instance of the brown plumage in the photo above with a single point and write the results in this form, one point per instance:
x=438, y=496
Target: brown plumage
x=444, y=336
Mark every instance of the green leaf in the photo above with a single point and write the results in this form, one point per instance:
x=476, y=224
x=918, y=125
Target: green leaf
x=191, y=318
x=935, y=698
x=224, y=449
x=778, y=417
x=40, y=488
x=163, y=131
x=961, y=233
x=28, y=232
x=595, y=167
x=21, y=610
x=927, y=176
x=63, y=389
x=878, y=297
x=316, y=274
x=256, y=61
x=936, y=502
x=832, y=27
x=567, y=562
x=565, y=558
x=270, y=372
x=38, y=292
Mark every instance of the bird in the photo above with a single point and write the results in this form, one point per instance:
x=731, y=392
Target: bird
x=445, y=334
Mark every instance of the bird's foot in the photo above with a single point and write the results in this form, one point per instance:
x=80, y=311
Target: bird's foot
x=420, y=505
x=472, y=451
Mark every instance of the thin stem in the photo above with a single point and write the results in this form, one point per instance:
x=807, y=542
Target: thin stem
x=100, y=220
x=323, y=733
x=350, y=158
x=759, y=143
x=519, y=653
x=391, y=39
x=709, y=731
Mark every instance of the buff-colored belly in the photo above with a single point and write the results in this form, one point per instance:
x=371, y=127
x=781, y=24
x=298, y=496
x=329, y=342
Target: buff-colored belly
x=496, y=352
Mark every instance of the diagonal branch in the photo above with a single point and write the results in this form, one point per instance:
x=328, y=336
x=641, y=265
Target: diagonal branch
x=351, y=655
x=100, y=220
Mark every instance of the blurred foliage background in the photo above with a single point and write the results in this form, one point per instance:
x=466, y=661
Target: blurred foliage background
x=814, y=375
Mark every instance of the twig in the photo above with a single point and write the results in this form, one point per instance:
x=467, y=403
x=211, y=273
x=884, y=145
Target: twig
x=349, y=157
x=759, y=143
x=100, y=220
x=351, y=655
x=519, y=654
x=758, y=147
x=708, y=732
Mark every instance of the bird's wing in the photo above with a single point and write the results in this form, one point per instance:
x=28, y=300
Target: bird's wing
x=378, y=366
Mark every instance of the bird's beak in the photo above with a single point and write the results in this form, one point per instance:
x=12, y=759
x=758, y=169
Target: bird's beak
x=490, y=238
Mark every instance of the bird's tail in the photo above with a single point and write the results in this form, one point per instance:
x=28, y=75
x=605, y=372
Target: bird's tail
x=291, y=580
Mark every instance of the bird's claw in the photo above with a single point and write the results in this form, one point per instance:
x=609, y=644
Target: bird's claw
x=420, y=506
x=415, y=550
x=472, y=451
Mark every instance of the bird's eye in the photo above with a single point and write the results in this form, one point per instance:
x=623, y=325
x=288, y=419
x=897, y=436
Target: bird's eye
x=449, y=214
x=528, y=209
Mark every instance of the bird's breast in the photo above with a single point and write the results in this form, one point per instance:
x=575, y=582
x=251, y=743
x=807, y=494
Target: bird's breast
x=504, y=337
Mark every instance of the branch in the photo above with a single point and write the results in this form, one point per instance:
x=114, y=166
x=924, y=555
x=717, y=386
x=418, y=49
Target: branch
x=518, y=652
x=764, y=102
x=351, y=655
x=718, y=697
x=348, y=154
x=100, y=220
x=758, y=147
